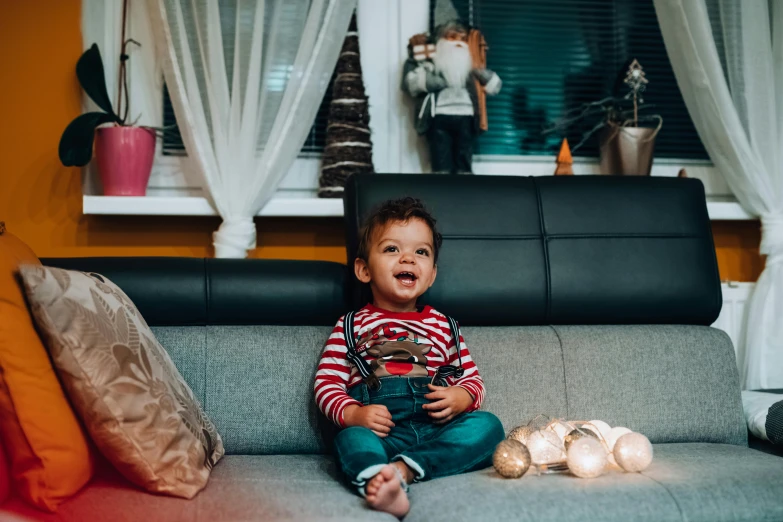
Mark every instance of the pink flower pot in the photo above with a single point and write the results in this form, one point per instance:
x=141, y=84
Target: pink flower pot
x=124, y=157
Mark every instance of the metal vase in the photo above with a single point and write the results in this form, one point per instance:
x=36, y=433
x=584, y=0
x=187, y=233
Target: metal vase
x=627, y=151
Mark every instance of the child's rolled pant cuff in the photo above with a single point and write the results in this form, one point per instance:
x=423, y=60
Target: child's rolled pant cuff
x=418, y=472
x=361, y=479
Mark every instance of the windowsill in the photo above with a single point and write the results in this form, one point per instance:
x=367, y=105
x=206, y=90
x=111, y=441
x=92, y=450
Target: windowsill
x=280, y=206
x=299, y=205
x=726, y=209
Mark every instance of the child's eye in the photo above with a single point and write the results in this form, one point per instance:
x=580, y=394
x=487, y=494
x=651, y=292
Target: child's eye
x=390, y=249
x=423, y=252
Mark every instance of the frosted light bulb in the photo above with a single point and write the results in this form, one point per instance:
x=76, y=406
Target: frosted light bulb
x=633, y=452
x=587, y=458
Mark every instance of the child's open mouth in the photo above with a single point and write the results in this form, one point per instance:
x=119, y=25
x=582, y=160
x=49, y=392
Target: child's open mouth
x=406, y=278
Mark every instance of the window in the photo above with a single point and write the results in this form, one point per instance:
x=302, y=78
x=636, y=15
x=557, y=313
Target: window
x=172, y=141
x=555, y=55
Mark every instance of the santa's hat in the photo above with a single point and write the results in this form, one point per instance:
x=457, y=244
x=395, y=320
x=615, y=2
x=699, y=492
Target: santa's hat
x=442, y=13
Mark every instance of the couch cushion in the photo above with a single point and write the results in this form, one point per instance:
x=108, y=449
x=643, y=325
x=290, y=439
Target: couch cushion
x=48, y=453
x=256, y=382
x=694, y=482
x=522, y=368
x=259, y=388
x=5, y=473
x=671, y=383
x=275, y=487
x=133, y=401
x=720, y=482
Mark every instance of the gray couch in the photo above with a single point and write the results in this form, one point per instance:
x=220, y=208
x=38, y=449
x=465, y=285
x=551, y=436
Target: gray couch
x=247, y=336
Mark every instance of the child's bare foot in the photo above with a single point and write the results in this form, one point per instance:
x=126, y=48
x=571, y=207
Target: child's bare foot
x=384, y=493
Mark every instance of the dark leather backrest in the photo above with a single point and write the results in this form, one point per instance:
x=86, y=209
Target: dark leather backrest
x=179, y=291
x=559, y=250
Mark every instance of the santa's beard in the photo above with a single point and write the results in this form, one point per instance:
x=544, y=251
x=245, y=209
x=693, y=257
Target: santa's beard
x=453, y=61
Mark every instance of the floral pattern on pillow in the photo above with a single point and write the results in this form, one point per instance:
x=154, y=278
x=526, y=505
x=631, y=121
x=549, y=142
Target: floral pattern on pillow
x=134, y=403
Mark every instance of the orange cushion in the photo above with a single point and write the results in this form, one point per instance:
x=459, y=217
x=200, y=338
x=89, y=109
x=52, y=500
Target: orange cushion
x=48, y=452
x=4, y=484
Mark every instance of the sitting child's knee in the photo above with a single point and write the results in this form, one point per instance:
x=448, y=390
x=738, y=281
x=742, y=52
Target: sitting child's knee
x=355, y=432
x=489, y=423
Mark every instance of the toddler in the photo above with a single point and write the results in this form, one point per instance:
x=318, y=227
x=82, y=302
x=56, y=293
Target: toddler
x=398, y=378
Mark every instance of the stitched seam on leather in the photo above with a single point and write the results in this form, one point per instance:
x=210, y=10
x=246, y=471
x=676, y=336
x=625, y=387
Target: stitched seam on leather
x=545, y=246
x=515, y=237
x=562, y=357
x=577, y=236
x=624, y=236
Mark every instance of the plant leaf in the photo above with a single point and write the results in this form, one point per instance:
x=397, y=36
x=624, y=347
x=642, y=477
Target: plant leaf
x=76, y=142
x=89, y=70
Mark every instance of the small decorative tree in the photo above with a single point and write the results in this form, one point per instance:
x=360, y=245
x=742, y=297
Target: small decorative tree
x=348, y=148
x=564, y=160
x=637, y=81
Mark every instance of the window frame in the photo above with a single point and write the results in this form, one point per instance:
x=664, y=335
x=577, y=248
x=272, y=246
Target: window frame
x=397, y=148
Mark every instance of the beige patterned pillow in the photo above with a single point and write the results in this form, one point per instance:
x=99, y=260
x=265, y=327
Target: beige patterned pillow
x=139, y=411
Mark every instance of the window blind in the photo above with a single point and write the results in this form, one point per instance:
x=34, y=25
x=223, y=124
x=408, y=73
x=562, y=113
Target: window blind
x=316, y=138
x=555, y=55
x=290, y=21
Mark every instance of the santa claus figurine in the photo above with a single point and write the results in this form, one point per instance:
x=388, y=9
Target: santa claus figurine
x=447, y=86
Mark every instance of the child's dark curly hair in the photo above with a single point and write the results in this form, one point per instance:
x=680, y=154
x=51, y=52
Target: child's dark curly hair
x=402, y=210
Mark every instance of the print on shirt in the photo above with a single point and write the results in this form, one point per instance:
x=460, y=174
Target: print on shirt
x=396, y=351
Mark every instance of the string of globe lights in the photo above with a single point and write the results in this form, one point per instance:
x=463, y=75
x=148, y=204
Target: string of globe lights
x=586, y=449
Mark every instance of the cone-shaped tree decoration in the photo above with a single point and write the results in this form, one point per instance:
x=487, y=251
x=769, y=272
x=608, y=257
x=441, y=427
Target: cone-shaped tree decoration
x=564, y=160
x=348, y=147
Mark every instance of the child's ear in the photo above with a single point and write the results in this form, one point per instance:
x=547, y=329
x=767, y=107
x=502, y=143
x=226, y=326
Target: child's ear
x=434, y=273
x=361, y=270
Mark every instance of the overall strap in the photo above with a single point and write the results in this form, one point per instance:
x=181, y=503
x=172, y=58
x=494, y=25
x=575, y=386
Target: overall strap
x=350, y=344
x=455, y=335
x=364, y=368
x=439, y=379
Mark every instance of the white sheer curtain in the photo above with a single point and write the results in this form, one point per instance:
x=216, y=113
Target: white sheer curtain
x=727, y=56
x=246, y=78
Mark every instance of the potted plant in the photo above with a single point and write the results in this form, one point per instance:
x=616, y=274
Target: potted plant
x=124, y=151
x=627, y=141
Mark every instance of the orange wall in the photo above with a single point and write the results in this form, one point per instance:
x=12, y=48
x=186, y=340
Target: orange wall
x=737, y=248
x=40, y=200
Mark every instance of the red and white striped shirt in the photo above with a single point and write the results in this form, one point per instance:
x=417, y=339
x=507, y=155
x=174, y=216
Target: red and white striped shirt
x=336, y=374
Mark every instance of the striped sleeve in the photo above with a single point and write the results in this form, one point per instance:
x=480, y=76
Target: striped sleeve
x=332, y=377
x=471, y=381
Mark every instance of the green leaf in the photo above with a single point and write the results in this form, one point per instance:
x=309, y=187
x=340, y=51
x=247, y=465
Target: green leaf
x=89, y=70
x=76, y=142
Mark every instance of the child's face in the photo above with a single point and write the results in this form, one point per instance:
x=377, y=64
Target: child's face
x=400, y=266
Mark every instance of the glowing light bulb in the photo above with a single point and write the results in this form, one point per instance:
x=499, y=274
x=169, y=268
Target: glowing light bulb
x=587, y=458
x=633, y=452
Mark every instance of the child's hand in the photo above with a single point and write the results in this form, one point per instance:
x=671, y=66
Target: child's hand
x=448, y=402
x=374, y=416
